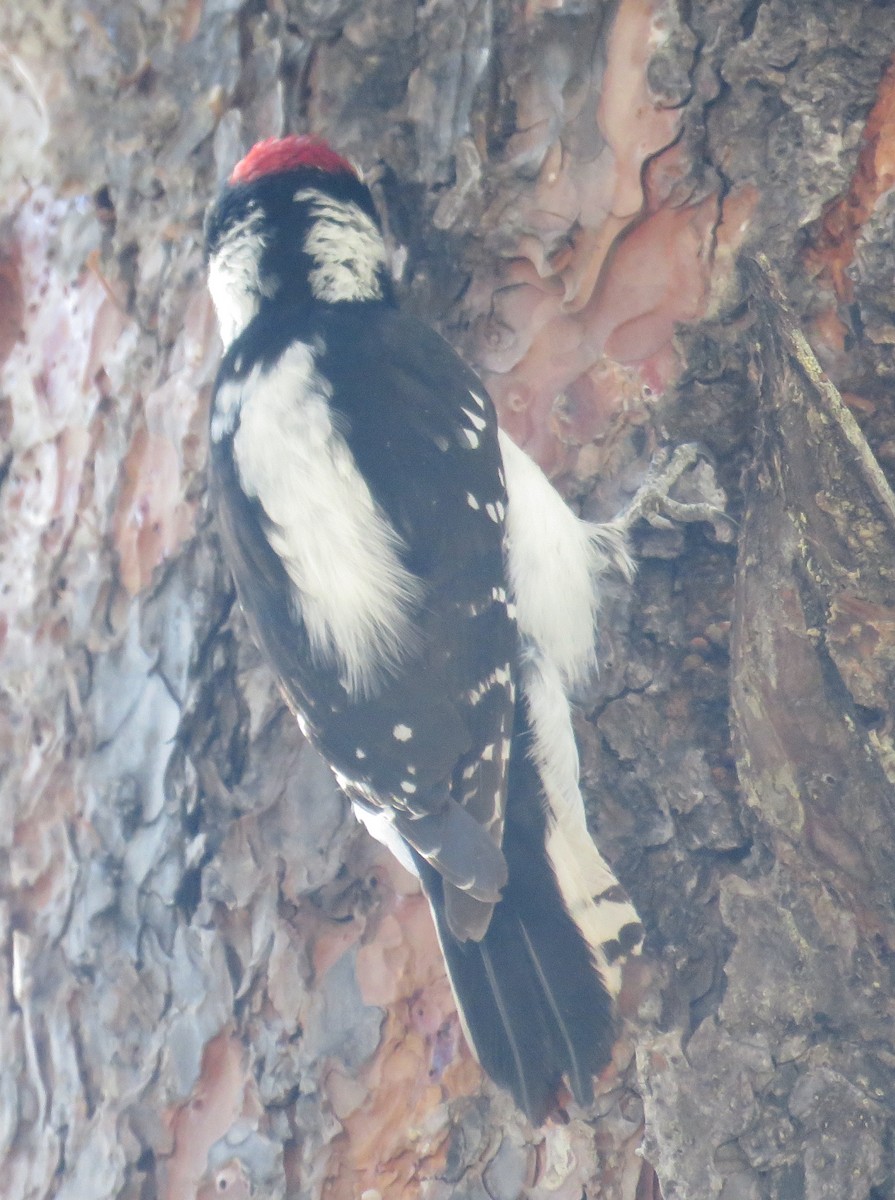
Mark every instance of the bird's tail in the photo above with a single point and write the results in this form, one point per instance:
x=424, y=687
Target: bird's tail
x=535, y=994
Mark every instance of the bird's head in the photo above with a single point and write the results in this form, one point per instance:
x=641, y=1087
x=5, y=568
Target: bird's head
x=294, y=225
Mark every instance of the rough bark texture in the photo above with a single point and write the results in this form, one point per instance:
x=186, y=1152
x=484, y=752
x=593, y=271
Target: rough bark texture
x=212, y=983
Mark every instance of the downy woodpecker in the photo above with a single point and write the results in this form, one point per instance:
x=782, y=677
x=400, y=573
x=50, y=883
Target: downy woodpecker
x=427, y=602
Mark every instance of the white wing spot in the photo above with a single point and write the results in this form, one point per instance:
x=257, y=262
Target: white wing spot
x=471, y=501
x=360, y=754
x=411, y=769
x=511, y=611
x=477, y=398
x=499, y=594
x=402, y=733
x=491, y=510
x=499, y=676
x=443, y=444
x=474, y=419
x=488, y=753
x=472, y=437
x=408, y=787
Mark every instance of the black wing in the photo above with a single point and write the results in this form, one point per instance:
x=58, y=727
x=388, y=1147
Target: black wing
x=423, y=432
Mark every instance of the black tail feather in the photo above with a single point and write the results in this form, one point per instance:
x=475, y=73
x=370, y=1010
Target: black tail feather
x=532, y=1001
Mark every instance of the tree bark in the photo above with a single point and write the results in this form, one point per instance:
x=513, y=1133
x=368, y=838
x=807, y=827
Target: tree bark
x=213, y=983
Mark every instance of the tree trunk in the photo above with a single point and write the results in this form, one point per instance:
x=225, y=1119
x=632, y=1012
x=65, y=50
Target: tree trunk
x=634, y=219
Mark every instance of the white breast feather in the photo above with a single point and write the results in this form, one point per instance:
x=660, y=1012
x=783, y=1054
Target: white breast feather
x=340, y=552
x=555, y=562
x=347, y=249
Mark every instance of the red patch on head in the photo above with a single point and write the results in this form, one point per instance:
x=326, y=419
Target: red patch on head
x=275, y=155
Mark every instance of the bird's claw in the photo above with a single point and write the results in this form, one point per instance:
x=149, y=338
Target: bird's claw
x=687, y=469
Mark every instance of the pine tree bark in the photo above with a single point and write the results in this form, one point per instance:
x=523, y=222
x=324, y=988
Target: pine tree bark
x=644, y=222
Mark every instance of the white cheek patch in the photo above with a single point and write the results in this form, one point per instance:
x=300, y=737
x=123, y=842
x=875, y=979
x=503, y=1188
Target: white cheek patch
x=347, y=249
x=234, y=276
x=352, y=591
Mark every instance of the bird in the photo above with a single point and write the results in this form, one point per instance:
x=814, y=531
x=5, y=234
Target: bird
x=427, y=602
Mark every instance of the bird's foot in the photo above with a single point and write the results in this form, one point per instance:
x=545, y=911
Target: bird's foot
x=688, y=472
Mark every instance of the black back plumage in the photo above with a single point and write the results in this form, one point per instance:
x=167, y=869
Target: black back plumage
x=397, y=394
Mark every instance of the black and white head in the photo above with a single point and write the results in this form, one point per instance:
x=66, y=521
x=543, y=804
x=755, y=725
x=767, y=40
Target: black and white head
x=293, y=225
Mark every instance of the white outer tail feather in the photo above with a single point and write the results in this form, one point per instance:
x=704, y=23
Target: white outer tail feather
x=582, y=874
